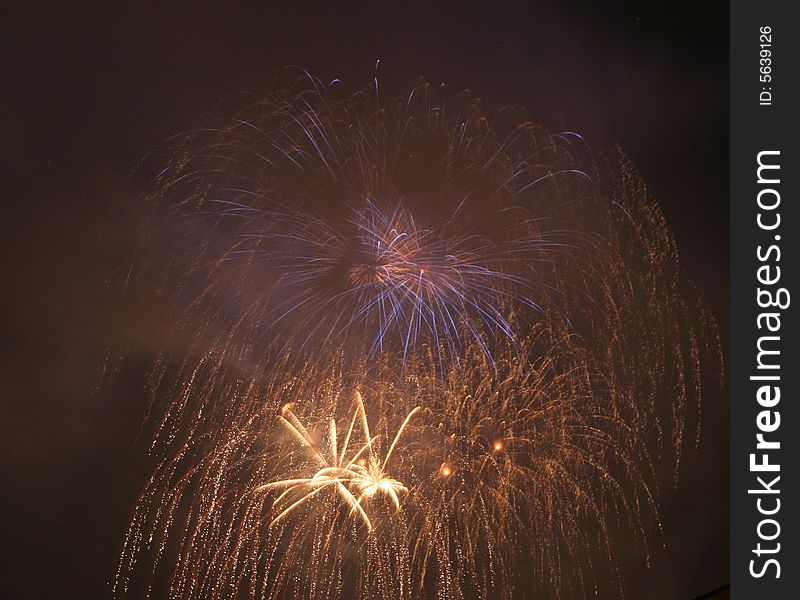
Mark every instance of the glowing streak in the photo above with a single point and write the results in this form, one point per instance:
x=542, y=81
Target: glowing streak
x=365, y=476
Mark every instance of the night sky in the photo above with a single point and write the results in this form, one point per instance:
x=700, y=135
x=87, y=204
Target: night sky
x=88, y=90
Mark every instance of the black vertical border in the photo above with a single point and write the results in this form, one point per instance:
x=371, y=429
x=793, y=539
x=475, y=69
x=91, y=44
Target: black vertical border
x=755, y=128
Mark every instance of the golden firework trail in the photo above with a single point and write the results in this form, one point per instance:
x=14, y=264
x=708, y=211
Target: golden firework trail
x=355, y=477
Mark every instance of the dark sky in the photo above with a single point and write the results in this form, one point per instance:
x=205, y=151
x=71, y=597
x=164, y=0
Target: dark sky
x=88, y=90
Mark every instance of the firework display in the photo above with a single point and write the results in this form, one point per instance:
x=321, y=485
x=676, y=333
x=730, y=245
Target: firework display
x=418, y=351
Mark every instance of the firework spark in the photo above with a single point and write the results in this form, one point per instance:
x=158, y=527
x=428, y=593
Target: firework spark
x=356, y=478
x=520, y=470
x=331, y=223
